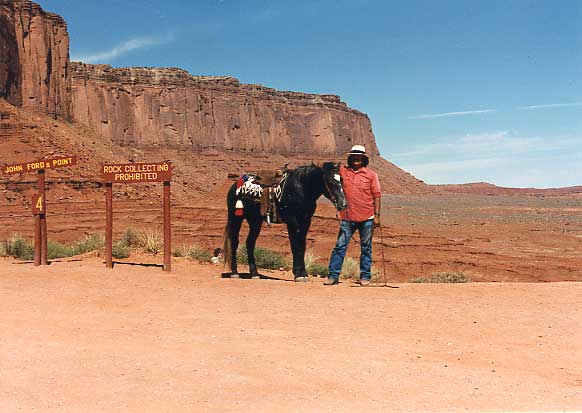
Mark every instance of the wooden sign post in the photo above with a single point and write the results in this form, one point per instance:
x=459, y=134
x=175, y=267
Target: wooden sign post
x=130, y=174
x=39, y=199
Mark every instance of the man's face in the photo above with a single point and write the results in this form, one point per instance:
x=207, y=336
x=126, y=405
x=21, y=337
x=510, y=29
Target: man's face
x=357, y=161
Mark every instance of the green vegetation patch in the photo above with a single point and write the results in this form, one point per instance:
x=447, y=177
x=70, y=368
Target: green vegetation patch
x=452, y=277
x=17, y=247
x=264, y=258
x=193, y=251
x=20, y=248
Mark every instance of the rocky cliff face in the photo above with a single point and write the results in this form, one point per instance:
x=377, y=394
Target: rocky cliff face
x=170, y=111
x=34, y=58
x=170, y=107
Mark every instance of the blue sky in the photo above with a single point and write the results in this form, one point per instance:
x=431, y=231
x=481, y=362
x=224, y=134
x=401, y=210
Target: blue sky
x=457, y=90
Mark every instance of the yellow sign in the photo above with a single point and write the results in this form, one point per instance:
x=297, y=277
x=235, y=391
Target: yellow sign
x=137, y=172
x=34, y=166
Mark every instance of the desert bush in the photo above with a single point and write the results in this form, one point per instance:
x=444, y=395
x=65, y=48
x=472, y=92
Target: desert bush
x=310, y=259
x=264, y=258
x=131, y=238
x=120, y=250
x=318, y=270
x=376, y=275
x=18, y=247
x=350, y=269
x=181, y=251
x=58, y=250
x=313, y=267
x=150, y=241
x=194, y=252
x=91, y=242
x=443, y=277
x=199, y=254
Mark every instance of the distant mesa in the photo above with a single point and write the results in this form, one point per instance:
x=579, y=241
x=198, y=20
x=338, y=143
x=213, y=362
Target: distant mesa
x=172, y=109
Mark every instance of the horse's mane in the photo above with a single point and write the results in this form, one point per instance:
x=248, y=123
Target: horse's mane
x=303, y=169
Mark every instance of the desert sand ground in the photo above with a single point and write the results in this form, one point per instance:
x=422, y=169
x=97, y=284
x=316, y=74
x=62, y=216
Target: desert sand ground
x=78, y=337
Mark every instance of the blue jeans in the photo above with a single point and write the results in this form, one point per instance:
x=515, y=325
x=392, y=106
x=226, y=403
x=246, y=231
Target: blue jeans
x=347, y=229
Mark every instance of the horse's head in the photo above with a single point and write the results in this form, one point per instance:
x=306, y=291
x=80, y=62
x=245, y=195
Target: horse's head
x=332, y=185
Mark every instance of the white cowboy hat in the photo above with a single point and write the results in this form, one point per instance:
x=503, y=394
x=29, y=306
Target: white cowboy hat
x=358, y=150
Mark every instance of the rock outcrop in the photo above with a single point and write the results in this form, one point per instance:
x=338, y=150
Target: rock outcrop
x=172, y=108
x=34, y=59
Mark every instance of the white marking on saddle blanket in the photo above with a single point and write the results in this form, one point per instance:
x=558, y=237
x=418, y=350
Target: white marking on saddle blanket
x=337, y=177
x=250, y=189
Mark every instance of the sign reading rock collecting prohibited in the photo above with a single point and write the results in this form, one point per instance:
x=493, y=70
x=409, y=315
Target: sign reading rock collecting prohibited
x=137, y=172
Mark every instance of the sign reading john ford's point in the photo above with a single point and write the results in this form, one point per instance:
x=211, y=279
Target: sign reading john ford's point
x=43, y=164
x=137, y=172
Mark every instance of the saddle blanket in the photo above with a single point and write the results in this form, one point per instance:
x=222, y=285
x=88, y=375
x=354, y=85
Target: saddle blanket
x=249, y=188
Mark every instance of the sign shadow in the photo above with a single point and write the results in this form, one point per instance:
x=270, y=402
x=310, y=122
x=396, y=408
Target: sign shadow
x=247, y=276
x=138, y=264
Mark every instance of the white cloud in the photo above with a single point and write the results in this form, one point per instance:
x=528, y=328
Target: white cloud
x=123, y=48
x=551, y=106
x=498, y=157
x=453, y=166
x=449, y=114
x=489, y=144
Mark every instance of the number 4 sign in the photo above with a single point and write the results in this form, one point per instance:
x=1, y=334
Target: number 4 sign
x=37, y=205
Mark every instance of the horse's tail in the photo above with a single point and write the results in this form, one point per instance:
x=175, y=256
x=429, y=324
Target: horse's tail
x=227, y=246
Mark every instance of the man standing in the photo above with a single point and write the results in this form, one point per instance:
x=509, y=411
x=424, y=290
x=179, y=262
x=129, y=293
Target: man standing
x=362, y=189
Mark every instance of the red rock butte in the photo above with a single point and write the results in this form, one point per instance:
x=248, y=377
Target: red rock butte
x=169, y=108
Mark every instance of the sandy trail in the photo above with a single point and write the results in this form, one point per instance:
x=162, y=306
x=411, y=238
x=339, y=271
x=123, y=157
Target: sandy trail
x=78, y=337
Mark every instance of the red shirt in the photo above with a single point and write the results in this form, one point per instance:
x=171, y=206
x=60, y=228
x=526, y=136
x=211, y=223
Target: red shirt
x=361, y=187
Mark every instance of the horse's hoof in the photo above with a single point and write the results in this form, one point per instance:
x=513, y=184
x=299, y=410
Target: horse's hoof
x=301, y=279
x=256, y=277
x=234, y=276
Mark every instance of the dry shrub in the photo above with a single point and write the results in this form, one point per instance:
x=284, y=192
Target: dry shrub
x=131, y=238
x=150, y=241
x=451, y=277
x=350, y=269
x=264, y=258
x=18, y=247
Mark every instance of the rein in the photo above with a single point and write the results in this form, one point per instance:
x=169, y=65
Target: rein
x=329, y=194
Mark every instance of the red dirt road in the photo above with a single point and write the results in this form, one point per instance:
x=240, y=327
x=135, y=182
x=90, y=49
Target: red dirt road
x=78, y=337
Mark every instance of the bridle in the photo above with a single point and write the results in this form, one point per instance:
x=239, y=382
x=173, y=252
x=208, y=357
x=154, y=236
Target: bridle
x=329, y=194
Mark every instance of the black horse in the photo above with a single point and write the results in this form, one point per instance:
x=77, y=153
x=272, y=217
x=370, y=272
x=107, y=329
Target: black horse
x=296, y=206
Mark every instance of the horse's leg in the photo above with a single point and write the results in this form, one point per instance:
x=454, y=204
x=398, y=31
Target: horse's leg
x=292, y=229
x=255, y=224
x=295, y=235
x=301, y=245
x=234, y=224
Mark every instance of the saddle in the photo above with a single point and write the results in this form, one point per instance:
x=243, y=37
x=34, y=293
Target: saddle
x=262, y=187
x=267, y=178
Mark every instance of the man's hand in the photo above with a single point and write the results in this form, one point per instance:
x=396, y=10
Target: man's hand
x=377, y=222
